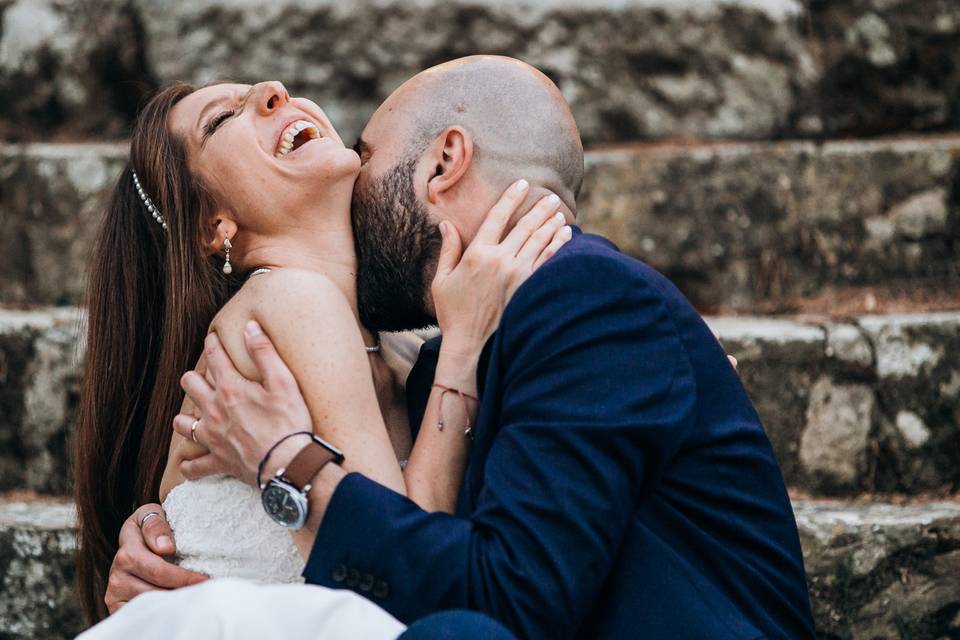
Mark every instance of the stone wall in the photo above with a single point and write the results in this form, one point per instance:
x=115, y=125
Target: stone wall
x=875, y=571
x=879, y=572
x=872, y=404
x=868, y=405
x=886, y=65
x=40, y=355
x=741, y=224
x=51, y=204
x=732, y=224
x=631, y=70
x=37, y=573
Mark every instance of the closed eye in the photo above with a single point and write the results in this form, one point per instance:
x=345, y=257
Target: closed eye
x=215, y=123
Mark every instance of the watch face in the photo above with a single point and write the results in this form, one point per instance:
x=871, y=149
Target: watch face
x=285, y=504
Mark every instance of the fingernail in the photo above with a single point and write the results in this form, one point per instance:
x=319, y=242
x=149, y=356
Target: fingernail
x=521, y=185
x=253, y=329
x=553, y=199
x=443, y=229
x=567, y=232
x=164, y=542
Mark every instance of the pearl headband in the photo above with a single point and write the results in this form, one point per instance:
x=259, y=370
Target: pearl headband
x=148, y=203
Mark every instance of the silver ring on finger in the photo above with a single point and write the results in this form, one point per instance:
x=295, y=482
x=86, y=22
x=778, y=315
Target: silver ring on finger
x=152, y=514
x=193, y=431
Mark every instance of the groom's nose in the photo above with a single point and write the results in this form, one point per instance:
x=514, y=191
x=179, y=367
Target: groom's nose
x=269, y=96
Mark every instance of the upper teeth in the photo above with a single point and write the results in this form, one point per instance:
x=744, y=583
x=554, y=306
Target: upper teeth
x=286, y=140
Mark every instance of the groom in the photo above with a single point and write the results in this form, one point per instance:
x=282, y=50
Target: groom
x=620, y=484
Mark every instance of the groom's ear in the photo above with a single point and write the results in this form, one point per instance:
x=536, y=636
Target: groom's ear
x=450, y=156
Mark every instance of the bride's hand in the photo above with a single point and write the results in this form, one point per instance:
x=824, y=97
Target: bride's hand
x=472, y=287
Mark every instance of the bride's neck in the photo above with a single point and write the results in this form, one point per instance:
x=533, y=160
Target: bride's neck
x=323, y=244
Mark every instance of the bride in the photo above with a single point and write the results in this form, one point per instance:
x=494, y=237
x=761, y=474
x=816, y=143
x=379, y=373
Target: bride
x=235, y=207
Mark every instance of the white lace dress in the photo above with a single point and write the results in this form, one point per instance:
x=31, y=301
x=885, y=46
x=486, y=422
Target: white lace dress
x=257, y=593
x=221, y=530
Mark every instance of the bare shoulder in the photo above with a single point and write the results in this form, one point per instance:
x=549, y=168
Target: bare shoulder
x=292, y=305
x=283, y=291
x=292, y=286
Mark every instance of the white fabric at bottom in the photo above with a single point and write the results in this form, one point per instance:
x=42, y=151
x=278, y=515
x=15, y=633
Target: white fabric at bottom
x=234, y=609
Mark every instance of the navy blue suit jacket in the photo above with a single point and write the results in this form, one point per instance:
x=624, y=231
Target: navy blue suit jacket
x=620, y=484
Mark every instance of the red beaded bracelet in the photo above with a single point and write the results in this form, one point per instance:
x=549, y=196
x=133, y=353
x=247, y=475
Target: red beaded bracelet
x=463, y=398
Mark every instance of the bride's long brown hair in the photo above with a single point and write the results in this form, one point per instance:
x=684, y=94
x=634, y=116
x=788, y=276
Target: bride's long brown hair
x=152, y=294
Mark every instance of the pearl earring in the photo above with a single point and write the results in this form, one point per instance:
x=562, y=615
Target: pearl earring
x=227, y=267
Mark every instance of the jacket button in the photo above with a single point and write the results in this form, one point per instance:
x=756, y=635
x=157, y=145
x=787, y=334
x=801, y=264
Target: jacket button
x=339, y=573
x=366, y=582
x=381, y=589
x=353, y=578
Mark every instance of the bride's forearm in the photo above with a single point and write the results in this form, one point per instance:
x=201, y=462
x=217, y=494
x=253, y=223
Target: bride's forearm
x=435, y=468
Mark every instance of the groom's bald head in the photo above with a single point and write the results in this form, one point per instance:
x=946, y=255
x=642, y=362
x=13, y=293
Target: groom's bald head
x=521, y=124
x=444, y=146
x=518, y=123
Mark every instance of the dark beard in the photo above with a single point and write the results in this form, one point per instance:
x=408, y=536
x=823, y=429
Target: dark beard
x=397, y=248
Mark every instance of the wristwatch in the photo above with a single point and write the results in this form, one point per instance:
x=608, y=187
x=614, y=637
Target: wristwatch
x=284, y=497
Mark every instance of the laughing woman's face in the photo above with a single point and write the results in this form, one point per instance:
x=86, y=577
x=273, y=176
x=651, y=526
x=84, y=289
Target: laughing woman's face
x=263, y=155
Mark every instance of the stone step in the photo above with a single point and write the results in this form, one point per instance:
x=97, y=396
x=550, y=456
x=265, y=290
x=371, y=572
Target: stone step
x=739, y=224
x=870, y=404
x=51, y=204
x=40, y=356
x=882, y=571
x=732, y=224
x=37, y=571
x=632, y=69
x=875, y=570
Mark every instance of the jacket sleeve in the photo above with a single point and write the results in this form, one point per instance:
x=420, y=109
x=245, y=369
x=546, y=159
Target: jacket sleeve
x=596, y=393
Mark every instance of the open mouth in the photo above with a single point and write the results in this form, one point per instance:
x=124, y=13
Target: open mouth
x=295, y=135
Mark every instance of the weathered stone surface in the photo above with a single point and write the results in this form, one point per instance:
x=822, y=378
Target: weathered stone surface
x=780, y=361
x=922, y=215
x=848, y=345
x=731, y=224
x=917, y=377
x=842, y=423
x=884, y=64
x=874, y=570
x=641, y=69
x=50, y=204
x=836, y=428
x=631, y=70
x=37, y=547
x=71, y=67
x=739, y=224
x=879, y=571
x=39, y=376
x=835, y=440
